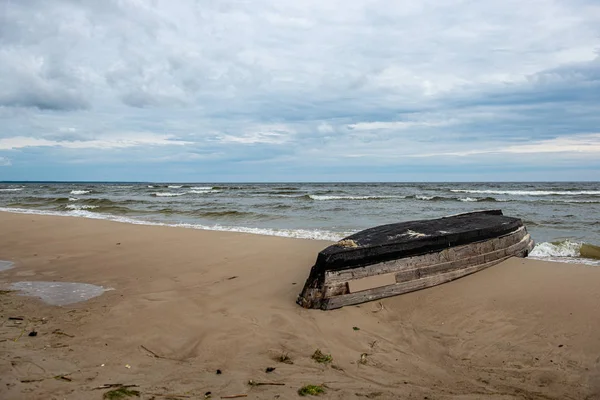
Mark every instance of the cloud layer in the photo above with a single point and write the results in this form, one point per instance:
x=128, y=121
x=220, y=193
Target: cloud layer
x=312, y=90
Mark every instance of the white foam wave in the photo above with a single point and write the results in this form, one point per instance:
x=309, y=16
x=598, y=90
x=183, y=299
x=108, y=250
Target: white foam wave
x=204, y=191
x=420, y=197
x=80, y=207
x=313, y=234
x=175, y=186
x=150, y=186
x=11, y=190
x=80, y=191
x=201, y=187
x=561, y=249
x=319, y=197
x=73, y=199
x=168, y=194
x=566, y=252
x=529, y=192
x=468, y=199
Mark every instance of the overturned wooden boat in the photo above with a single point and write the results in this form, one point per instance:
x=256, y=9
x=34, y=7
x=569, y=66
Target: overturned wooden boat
x=392, y=259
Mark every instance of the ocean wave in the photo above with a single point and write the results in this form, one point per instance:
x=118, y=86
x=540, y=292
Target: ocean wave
x=530, y=192
x=572, y=201
x=175, y=186
x=315, y=234
x=81, y=206
x=325, y=198
x=80, y=191
x=204, y=191
x=168, y=194
x=73, y=199
x=557, y=249
x=289, y=195
x=202, y=188
x=230, y=214
x=565, y=251
x=11, y=190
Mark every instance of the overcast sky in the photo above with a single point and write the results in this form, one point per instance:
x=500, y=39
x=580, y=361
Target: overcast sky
x=311, y=90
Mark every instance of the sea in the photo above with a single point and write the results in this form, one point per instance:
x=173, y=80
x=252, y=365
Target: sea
x=560, y=216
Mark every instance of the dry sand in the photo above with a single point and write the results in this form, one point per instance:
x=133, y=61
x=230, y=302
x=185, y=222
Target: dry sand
x=204, y=301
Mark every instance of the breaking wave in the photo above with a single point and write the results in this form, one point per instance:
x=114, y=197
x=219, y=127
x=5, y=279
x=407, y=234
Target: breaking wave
x=80, y=191
x=565, y=251
x=321, y=198
x=314, y=234
x=168, y=194
x=530, y=192
x=81, y=206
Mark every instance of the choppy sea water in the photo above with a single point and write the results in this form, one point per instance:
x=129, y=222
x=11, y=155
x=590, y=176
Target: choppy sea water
x=560, y=216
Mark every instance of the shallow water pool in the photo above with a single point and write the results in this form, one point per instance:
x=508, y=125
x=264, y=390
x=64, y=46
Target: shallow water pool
x=59, y=293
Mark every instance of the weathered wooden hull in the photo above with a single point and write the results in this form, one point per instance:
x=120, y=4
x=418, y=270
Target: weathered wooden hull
x=338, y=287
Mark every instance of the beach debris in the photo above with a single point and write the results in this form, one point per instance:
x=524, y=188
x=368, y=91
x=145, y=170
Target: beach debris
x=381, y=307
x=322, y=358
x=363, y=358
x=254, y=383
x=311, y=390
x=219, y=372
x=373, y=344
x=32, y=334
x=207, y=395
x=234, y=396
x=284, y=358
x=121, y=393
x=5, y=292
x=15, y=318
x=118, y=244
x=231, y=277
x=113, y=385
x=560, y=345
x=356, y=328
x=59, y=332
x=32, y=380
x=127, y=366
x=63, y=378
x=347, y=243
x=21, y=334
x=150, y=351
x=270, y=369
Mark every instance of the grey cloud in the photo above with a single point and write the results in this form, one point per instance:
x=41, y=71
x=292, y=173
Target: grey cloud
x=200, y=70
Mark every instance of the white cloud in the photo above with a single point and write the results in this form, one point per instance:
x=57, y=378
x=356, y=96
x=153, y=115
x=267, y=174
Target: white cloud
x=336, y=79
x=394, y=125
x=267, y=134
x=124, y=141
x=584, y=144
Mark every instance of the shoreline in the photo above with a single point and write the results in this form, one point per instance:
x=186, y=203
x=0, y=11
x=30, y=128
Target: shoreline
x=206, y=300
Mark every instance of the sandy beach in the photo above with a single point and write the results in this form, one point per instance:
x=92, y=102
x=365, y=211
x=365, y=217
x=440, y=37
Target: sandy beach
x=187, y=303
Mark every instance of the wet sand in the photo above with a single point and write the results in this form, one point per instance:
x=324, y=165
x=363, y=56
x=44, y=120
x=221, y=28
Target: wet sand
x=187, y=303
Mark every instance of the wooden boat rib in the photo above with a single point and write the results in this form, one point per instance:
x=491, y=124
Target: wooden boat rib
x=398, y=258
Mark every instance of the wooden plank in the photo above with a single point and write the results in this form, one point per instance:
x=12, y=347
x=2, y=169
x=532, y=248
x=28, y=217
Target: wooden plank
x=400, y=288
x=448, y=255
x=371, y=282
